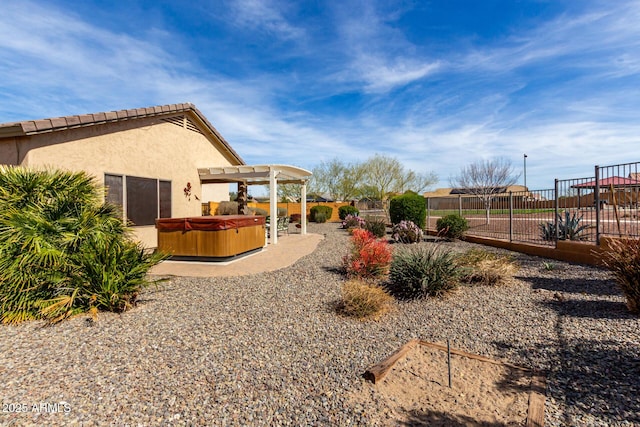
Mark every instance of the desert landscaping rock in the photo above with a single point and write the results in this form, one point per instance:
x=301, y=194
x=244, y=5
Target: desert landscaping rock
x=270, y=349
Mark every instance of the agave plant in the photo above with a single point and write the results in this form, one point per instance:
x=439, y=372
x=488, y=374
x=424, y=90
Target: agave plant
x=569, y=228
x=62, y=250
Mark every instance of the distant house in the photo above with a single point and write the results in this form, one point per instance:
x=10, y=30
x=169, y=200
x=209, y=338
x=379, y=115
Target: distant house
x=148, y=158
x=317, y=197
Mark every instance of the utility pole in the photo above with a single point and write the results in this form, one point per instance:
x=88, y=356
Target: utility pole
x=525, y=172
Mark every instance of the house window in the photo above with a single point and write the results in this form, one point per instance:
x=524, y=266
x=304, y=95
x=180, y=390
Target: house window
x=143, y=199
x=114, y=194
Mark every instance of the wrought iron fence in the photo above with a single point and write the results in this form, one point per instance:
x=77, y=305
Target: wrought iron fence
x=579, y=209
x=617, y=190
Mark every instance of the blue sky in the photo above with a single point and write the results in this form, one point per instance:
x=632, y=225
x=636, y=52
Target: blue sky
x=436, y=84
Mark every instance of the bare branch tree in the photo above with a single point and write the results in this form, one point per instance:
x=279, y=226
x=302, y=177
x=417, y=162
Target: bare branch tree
x=484, y=179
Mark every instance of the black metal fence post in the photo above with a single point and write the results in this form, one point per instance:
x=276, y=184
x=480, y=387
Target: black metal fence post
x=510, y=216
x=555, y=212
x=597, y=203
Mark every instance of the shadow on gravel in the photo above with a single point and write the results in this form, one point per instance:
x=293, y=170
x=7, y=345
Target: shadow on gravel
x=574, y=286
x=600, y=378
x=592, y=309
x=442, y=419
x=335, y=270
x=592, y=377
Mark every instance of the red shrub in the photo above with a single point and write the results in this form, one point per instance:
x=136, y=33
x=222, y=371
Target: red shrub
x=369, y=258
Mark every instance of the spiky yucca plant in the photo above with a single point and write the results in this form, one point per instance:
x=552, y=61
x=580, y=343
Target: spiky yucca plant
x=62, y=251
x=420, y=271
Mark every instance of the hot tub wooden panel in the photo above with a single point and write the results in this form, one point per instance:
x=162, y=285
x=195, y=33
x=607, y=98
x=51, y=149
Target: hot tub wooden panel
x=218, y=237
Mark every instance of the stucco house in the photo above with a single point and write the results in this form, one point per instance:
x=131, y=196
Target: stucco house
x=147, y=158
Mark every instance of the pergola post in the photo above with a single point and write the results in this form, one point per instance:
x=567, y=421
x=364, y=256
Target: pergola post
x=303, y=207
x=273, y=206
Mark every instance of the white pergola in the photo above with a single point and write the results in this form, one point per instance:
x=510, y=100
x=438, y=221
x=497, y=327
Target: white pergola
x=261, y=175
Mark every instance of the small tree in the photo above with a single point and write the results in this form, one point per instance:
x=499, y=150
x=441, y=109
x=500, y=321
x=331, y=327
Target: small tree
x=341, y=181
x=484, y=179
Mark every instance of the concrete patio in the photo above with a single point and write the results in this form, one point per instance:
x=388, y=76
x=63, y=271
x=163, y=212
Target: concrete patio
x=289, y=249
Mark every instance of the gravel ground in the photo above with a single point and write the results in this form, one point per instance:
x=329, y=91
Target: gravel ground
x=269, y=349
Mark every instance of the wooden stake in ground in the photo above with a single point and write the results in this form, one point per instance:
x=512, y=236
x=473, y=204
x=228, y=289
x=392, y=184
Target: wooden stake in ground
x=449, y=361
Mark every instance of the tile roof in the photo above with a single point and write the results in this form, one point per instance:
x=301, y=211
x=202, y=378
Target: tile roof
x=32, y=127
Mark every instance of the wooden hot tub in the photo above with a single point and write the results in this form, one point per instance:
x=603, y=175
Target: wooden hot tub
x=220, y=236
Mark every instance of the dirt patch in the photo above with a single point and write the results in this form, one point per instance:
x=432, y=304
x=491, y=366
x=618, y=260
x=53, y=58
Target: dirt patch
x=415, y=391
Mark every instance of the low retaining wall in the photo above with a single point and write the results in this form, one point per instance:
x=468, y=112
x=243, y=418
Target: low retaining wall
x=565, y=250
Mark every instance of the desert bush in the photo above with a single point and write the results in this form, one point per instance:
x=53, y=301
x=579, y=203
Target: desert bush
x=62, y=250
x=406, y=232
x=320, y=217
x=623, y=259
x=315, y=210
x=376, y=226
x=295, y=217
x=569, y=228
x=369, y=258
x=452, y=226
x=282, y=212
x=363, y=300
x=353, y=221
x=343, y=211
x=485, y=268
x=227, y=208
x=420, y=271
x=408, y=207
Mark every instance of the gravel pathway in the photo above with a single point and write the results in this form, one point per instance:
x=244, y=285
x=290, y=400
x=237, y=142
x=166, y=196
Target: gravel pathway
x=269, y=349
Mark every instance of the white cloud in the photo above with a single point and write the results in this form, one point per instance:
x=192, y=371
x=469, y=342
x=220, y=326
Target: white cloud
x=265, y=15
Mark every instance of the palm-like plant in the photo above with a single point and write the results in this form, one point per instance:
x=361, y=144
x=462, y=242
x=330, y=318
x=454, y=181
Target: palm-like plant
x=62, y=251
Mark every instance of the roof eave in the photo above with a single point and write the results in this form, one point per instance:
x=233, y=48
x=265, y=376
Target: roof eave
x=11, y=131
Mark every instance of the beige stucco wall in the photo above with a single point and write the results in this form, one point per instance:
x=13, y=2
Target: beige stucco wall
x=147, y=147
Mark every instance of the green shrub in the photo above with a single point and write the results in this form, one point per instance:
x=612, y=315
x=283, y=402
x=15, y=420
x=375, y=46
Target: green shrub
x=408, y=207
x=320, y=217
x=62, y=250
x=343, y=211
x=282, y=212
x=327, y=210
x=420, y=271
x=376, y=226
x=362, y=300
x=452, y=226
x=623, y=259
x=569, y=228
x=227, y=208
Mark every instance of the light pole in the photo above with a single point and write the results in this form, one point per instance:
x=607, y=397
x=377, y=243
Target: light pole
x=525, y=172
